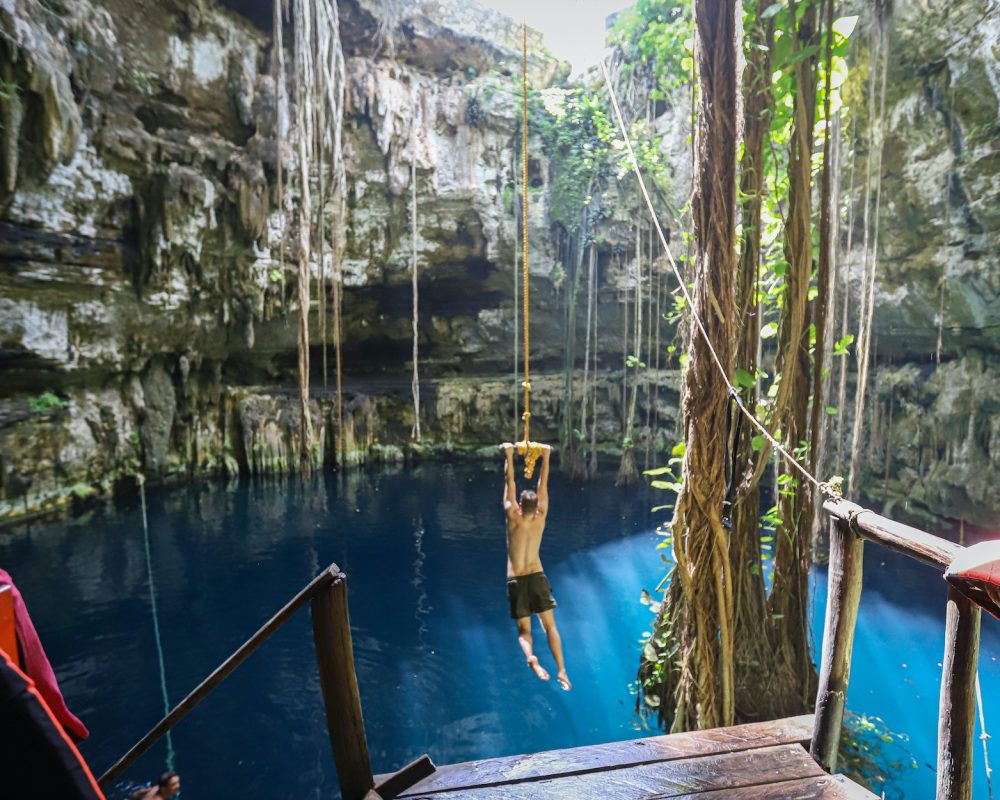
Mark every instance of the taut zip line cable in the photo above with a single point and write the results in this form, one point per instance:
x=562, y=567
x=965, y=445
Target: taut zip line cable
x=824, y=487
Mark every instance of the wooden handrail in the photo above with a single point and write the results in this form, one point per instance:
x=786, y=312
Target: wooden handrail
x=913, y=542
x=850, y=526
x=327, y=577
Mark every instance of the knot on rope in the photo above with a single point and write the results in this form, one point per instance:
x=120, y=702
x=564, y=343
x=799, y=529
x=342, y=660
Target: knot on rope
x=832, y=488
x=527, y=386
x=531, y=452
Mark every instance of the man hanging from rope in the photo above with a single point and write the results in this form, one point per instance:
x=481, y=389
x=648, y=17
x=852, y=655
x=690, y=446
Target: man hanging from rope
x=528, y=589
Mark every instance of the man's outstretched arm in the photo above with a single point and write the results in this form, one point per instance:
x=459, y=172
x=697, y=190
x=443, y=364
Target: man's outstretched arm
x=509, y=488
x=543, y=480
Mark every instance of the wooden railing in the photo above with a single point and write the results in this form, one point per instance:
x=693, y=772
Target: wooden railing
x=850, y=525
x=327, y=594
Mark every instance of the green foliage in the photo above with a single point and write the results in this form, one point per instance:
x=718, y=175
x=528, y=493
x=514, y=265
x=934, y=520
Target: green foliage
x=574, y=130
x=140, y=80
x=658, y=36
x=873, y=752
x=47, y=402
x=8, y=89
x=508, y=199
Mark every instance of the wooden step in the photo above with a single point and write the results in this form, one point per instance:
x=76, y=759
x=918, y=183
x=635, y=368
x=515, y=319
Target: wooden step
x=614, y=755
x=662, y=779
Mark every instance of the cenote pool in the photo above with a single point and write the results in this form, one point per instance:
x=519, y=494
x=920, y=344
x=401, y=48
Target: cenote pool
x=437, y=660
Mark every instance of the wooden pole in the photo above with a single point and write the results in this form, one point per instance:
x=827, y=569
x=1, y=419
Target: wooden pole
x=221, y=672
x=956, y=713
x=843, y=598
x=339, y=682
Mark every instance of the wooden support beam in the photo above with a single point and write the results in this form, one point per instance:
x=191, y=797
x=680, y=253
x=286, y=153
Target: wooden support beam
x=391, y=786
x=843, y=598
x=203, y=689
x=956, y=713
x=339, y=682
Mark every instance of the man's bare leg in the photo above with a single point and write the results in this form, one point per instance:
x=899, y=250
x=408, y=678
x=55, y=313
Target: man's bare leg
x=524, y=639
x=548, y=620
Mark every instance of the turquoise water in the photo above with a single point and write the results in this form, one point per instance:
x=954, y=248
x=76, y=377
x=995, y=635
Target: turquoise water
x=438, y=664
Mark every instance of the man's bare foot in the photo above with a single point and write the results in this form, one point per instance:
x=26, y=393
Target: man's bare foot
x=563, y=679
x=539, y=670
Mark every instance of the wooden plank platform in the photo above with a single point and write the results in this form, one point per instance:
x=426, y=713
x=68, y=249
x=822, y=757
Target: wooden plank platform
x=745, y=762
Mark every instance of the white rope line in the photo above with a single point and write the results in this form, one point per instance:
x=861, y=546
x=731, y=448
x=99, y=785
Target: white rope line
x=825, y=488
x=984, y=737
x=171, y=754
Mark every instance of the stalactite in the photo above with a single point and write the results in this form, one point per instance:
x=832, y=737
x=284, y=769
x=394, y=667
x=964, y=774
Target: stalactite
x=628, y=473
x=593, y=424
x=846, y=301
x=280, y=95
x=319, y=112
x=625, y=316
x=413, y=263
x=318, y=155
x=880, y=29
x=649, y=348
x=304, y=91
x=584, y=397
x=940, y=322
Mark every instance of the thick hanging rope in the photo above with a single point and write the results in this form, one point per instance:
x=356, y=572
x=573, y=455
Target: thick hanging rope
x=529, y=450
x=826, y=488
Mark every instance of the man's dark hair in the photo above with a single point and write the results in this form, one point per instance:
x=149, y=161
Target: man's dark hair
x=529, y=501
x=166, y=777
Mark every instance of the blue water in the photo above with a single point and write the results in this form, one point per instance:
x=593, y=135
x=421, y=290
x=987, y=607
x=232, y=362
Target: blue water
x=437, y=658
x=438, y=664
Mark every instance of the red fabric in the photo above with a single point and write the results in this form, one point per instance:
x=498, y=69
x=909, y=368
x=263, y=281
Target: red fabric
x=36, y=664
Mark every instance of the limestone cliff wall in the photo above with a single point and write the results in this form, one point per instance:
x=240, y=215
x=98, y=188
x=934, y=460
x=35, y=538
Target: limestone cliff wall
x=141, y=305
x=932, y=426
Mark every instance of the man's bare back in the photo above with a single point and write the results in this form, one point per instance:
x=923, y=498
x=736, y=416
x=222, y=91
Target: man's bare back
x=528, y=589
x=524, y=538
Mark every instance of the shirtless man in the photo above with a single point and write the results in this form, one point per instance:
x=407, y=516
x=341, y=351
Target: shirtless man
x=528, y=589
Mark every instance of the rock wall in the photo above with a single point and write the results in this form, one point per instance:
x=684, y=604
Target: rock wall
x=937, y=315
x=145, y=324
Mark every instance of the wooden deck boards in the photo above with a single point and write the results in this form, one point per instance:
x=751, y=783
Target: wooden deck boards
x=746, y=762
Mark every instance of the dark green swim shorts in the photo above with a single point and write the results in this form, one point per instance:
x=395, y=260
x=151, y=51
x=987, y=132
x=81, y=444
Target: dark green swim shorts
x=529, y=594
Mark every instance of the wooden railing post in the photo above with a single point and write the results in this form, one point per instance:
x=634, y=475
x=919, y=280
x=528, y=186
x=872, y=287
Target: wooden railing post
x=339, y=682
x=843, y=597
x=956, y=713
